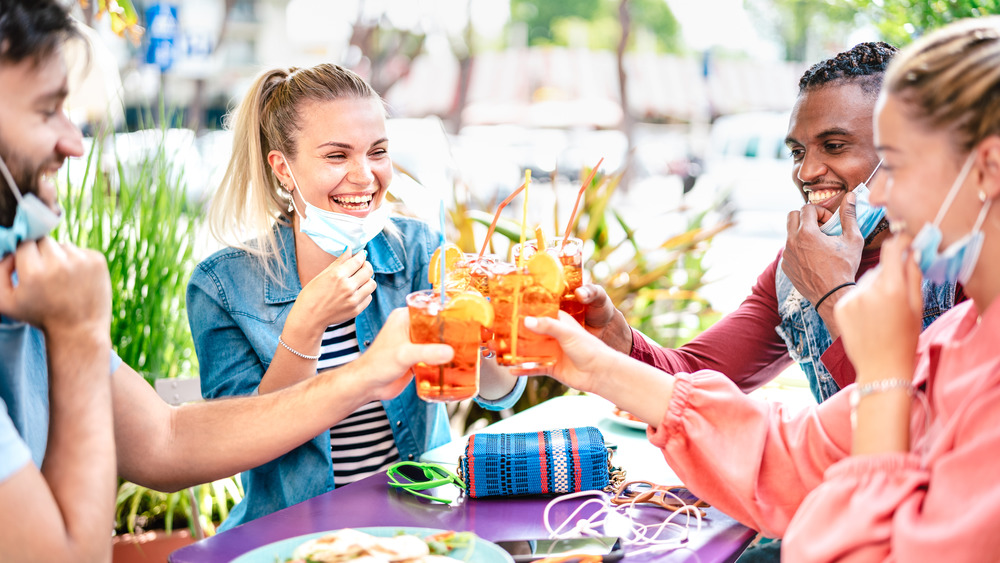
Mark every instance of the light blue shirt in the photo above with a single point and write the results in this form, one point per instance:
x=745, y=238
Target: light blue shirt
x=24, y=396
x=237, y=313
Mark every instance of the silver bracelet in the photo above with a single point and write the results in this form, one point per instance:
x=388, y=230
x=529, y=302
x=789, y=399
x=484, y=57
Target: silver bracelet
x=296, y=352
x=862, y=390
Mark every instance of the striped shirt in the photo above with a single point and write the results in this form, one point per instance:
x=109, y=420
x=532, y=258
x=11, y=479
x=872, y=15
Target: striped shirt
x=361, y=444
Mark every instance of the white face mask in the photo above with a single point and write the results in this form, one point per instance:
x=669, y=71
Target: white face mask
x=336, y=232
x=868, y=216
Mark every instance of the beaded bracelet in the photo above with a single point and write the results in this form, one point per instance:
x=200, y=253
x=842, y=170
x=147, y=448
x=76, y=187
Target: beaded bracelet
x=831, y=292
x=296, y=352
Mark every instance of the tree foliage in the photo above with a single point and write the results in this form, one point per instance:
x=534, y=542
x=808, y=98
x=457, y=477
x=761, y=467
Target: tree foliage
x=803, y=24
x=559, y=23
x=901, y=21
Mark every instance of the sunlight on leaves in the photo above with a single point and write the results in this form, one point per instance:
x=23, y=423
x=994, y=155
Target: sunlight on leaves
x=124, y=19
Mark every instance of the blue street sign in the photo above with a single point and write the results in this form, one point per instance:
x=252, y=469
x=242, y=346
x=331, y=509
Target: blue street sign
x=162, y=31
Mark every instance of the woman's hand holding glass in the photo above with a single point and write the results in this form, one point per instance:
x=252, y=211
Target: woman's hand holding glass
x=583, y=354
x=587, y=364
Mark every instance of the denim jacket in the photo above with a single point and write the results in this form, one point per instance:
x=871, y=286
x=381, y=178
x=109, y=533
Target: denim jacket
x=807, y=338
x=24, y=394
x=236, y=315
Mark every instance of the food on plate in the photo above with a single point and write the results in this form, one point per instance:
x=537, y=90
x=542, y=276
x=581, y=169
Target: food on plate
x=627, y=415
x=359, y=547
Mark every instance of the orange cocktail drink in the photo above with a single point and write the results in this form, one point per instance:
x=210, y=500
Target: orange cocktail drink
x=472, y=272
x=458, y=323
x=515, y=294
x=570, y=256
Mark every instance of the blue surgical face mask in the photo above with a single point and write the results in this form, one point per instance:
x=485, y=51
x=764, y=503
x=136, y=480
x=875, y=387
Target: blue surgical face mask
x=32, y=221
x=957, y=261
x=335, y=232
x=868, y=216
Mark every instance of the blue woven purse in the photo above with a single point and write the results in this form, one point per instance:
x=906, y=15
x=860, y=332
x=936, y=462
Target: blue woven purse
x=530, y=463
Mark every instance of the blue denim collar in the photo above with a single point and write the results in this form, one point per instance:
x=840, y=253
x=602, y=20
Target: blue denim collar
x=383, y=254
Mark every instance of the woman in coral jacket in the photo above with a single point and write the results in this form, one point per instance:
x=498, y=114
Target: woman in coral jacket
x=901, y=466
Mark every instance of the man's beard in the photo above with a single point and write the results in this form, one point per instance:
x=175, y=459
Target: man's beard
x=24, y=173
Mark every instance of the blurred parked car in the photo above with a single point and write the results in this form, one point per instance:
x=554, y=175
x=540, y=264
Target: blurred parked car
x=747, y=168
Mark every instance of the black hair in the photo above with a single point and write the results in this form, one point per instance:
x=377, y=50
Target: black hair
x=864, y=64
x=33, y=29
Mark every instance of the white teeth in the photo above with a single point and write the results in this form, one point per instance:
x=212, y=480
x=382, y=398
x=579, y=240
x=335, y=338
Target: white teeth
x=354, y=199
x=820, y=195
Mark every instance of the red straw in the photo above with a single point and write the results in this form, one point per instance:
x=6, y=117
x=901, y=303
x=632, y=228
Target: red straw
x=576, y=206
x=496, y=218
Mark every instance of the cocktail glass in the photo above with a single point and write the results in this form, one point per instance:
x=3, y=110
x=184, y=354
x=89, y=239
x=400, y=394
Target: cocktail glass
x=571, y=258
x=472, y=272
x=430, y=322
x=514, y=296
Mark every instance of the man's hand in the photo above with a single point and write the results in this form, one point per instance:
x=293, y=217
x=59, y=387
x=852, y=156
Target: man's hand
x=60, y=288
x=603, y=320
x=815, y=262
x=387, y=362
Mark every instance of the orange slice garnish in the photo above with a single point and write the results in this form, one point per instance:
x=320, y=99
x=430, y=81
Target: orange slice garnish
x=469, y=306
x=452, y=254
x=547, y=272
x=539, y=238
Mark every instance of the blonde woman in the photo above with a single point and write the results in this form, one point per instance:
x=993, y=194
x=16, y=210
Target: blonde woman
x=315, y=266
x=902, y=465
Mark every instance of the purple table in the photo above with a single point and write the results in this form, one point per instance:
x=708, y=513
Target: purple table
x=370, y=502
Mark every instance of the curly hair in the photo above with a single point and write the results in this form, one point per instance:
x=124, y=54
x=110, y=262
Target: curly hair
x=865, y=64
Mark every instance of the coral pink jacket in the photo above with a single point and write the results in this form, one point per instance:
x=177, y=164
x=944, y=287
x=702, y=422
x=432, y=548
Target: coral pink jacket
x=791, y=474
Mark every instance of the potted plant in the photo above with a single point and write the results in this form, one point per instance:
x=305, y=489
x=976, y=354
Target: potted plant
x=134, y=210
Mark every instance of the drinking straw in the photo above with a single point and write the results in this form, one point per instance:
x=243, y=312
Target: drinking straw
x=576, y=206
x=440, y=321
x=524, y=216
x=493, y=225
x=441, y=254
x=520, y=266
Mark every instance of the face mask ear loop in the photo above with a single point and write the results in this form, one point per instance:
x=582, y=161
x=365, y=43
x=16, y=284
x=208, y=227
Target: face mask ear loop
x=872, y=175
x=291, y=194
x=959, y=180
x=10, y=181
x=982, y=216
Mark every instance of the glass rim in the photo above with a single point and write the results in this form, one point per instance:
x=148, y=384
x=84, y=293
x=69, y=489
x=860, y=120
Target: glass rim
x=549, y=241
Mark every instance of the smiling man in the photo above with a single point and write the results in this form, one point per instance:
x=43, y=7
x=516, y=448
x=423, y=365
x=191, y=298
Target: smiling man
x=789, y=313
x=72, y=415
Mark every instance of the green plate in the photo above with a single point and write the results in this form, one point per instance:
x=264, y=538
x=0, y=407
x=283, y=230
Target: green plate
x=480, y=552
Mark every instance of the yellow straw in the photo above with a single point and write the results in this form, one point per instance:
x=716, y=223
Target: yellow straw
x=524, y=216
x=520, y=266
